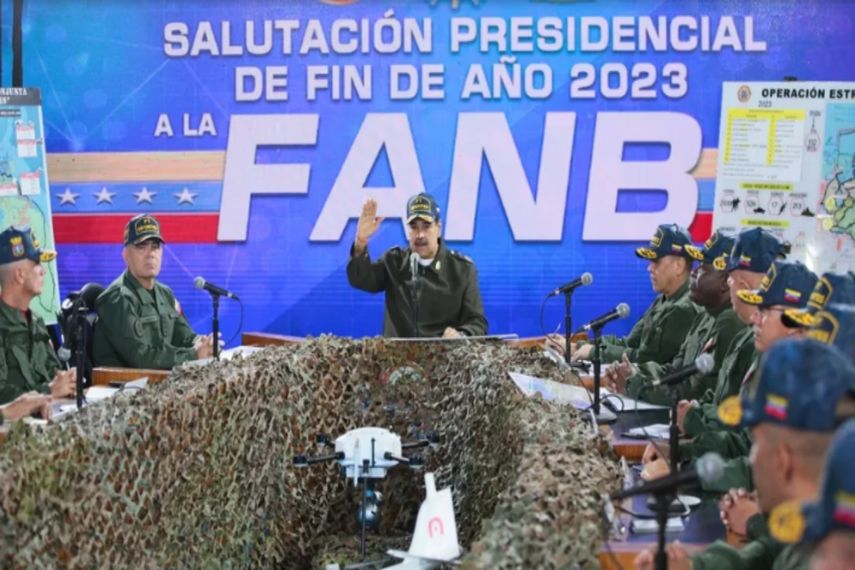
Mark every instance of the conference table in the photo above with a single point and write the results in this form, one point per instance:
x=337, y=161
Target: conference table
x=701, y=527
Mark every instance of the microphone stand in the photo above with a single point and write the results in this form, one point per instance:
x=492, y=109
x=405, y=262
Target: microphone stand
x=415, y=287
x=674, y=435
x=595, y=360
x=79, y=349
x=663, y=502
x=215, y=299
x=568, y=322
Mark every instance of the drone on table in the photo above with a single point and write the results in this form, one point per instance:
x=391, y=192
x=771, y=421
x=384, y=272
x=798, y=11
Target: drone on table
x=365, y=455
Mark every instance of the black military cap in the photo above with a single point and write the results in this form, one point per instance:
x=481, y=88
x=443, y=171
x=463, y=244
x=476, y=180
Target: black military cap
x=142, y=227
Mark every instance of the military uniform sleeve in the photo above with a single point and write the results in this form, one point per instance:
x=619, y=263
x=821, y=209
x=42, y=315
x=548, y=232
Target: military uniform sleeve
x=612, y=347
x=698, y=420
x=8, y=387
x=693, y=388
x=666, y=342
x=182, y=334
x=472, y=319
x=364, y=274
x=756, y=554
x=128, y=336
x=736, y=475
x=726, y=442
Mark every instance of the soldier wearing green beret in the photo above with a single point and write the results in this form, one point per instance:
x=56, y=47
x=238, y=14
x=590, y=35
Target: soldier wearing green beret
x=660, y=331
x=140, y=323
x=27, y=360
x=442, y=299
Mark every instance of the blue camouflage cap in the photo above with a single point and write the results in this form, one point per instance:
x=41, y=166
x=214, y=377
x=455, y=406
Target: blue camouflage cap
x=835, y=325
x=830, y=288
x=20, y=242
x=669, y=239
x=834, y=510
x=786, y=283
x=422, y=206
x=755, y=250
x=799, y=386
x=714, y=251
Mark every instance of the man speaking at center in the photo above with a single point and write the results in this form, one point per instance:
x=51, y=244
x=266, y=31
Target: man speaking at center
x=430, y=290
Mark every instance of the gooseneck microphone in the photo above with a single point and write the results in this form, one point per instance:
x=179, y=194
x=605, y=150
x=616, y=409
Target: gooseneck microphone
x=213, y=289
x=415, y=289
x=581, y=281
x=414, y=265
x=618, y=312
x=703, y=364
x=708, y=469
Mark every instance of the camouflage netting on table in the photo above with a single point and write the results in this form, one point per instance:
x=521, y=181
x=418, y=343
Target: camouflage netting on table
x=196, y=471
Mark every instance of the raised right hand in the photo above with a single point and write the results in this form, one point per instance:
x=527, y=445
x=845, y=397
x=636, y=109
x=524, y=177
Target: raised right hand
x=368, y=224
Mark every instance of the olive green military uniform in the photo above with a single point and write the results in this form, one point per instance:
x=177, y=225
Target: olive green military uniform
x=449, y=297
x=27, y=359
x=734, y=367
x=139, y=328
x=710, y=332
x=726, y=441
x=659, y=332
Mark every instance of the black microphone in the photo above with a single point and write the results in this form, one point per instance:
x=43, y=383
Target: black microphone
x=708, y=469
x=414, y=265
x=213, y=289
x=704, y=363
x=584, y=279
x=619, y=312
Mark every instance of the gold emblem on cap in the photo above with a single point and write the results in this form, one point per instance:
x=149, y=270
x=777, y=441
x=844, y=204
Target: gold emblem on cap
x=646, y=253
x=749, y=296
x=824, y=327
x=694, y=252
x=787, y=522
x=800, y=316
x=146, y=225
x=17, y=244
x=730, y=411
x=720, y=262
x=821, y=292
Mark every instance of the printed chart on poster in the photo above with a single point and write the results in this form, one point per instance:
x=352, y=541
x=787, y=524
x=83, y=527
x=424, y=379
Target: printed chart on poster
x=786, y=162
x=24, y=196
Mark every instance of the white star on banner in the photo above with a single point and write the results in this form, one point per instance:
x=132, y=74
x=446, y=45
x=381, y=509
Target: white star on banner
x=144, y=195
x=68, y=197
x=105, y=195
x=185, y=196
